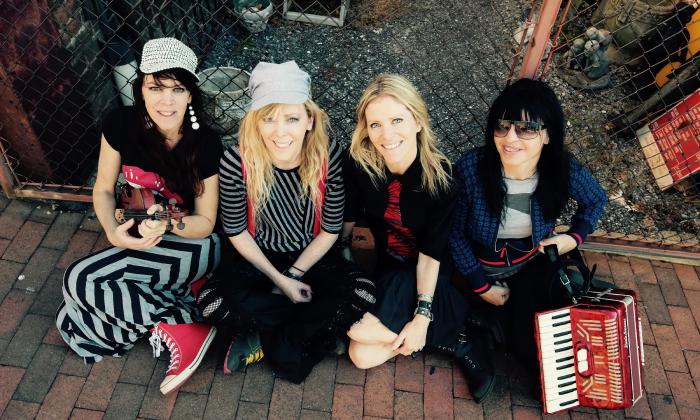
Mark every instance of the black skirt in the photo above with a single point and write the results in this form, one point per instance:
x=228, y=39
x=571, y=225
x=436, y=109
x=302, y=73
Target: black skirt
x=398, y=298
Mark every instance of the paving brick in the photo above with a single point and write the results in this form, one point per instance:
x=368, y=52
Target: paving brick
x=647, y=334
x=409, y=374
x=693, y=359
x=653, y=302
x=670, y=286
x=9, y=271
x=379, y=391
x=13, y=217
x=11, y=376
x=693, y=297
x=223, y=396
x=662, y=407
x=191, y=406
x=460, y=387
x=20, y=410
x=200, y=381
x=53, y=337
x=101, y=243
x=100, y=384
x=347, y=373
x=643, y=271
x=686, y=330
x=42, y=214
x=623, y=276
x=250, y=410
x=467, y=409
x=50, y=296
x=438, y=360
x=522, y=383
x=4, y=243
x=26, y=241
x=671, y=354
x=527, y=413
x=314, y=415
x=686, y=413
x=74, y=365
x=82, y=414
x=601, y=261
x=13, y=308
x=4, y=201
x=90, y=222
x=59, y=402
x=347, y=402
x=407, y=406
x=61, y=230
x=687, y=276
x=655, y=381
x=156, y=405
x=80, y=245
x=577, y=415
x=318, y=387
x=683, y=390
x=611, y=414
x=286, y=400
x=437, y=395
x=40, y=374
x=38, y=269
x=26, y=341
x=497, y=405
x=640, y=410
x=258, y=383
x=139, y=364
x=125, y=401
x=660, y=263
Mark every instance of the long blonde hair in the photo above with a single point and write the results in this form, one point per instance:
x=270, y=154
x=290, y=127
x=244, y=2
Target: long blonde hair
x=435, y=177
x=258, y=162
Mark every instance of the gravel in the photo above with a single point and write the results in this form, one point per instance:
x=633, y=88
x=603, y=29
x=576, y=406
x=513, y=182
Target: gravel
x=458, y=53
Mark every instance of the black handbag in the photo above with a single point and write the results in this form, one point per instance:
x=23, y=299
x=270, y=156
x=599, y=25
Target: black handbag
x=571, y=272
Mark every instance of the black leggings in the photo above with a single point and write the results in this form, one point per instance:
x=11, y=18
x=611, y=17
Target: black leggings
x=294, y=337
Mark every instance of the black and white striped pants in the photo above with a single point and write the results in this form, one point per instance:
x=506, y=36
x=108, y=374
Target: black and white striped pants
x=114, y=296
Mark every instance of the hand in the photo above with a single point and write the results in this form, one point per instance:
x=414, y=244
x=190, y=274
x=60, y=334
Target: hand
x=564, y=243
x=153, y=228
x=120, y=237
x=295, y=290
x=412, y=336
x=497, y=295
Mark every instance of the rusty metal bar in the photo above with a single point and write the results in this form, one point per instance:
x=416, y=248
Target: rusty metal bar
x=555, y=38
x=52, y=195
x=540, y=36
x=649, y=251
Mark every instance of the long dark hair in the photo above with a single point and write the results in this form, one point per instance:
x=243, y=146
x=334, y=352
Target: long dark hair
x=179, y=166
x=538, y=102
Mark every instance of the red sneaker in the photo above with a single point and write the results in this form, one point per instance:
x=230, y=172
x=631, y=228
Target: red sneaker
x=187, y=344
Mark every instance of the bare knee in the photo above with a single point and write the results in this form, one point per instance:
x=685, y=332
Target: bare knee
x=361, y=355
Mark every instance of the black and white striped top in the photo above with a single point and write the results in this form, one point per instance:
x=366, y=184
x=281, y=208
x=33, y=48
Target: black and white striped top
x=286, y=222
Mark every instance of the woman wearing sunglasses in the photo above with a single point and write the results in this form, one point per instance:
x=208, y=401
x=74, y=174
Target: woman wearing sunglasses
x=511, y=193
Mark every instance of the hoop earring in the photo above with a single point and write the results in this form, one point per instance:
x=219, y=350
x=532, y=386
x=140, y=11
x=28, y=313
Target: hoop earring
x=193, y=118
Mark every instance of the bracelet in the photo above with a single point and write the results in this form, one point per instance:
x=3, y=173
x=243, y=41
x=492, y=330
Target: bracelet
x=298, y=269
x=291, y=275
x=425, y=304
x=425, y=296
x=425, y=312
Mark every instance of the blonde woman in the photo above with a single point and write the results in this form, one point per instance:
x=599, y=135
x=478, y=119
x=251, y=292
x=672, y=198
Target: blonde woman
x=401, y=184
x=282, y=200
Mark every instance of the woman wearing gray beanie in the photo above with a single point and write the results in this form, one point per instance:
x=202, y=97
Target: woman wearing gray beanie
x=143, y=281
x=282, y=200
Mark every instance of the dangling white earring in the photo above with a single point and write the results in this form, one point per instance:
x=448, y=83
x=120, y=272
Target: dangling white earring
x=193, y=118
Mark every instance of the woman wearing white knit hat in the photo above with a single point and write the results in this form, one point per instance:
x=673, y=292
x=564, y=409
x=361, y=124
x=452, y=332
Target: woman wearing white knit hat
x=282, y=199
x=143, y=281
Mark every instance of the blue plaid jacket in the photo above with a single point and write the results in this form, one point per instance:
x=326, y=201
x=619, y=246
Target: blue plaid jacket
x=475, y=227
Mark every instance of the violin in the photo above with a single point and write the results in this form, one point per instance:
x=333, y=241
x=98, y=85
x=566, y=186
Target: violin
x=135, y=202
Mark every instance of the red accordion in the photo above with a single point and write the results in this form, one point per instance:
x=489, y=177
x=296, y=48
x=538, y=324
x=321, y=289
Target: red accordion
x=591, y=354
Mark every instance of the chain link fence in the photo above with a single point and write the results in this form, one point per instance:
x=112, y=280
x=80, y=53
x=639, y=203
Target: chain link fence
x=68, y=63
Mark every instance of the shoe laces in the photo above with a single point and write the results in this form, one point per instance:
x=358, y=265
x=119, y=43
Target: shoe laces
x=160, y=337
x=254, y=357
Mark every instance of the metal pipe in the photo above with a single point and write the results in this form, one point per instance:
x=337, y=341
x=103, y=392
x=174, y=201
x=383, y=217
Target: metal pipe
x=540, y=36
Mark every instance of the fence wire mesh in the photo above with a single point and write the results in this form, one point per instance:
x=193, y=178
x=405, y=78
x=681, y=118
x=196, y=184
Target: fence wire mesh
x=67, y=61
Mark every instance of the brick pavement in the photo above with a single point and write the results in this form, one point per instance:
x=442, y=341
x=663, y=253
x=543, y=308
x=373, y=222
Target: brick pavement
x=41, y=378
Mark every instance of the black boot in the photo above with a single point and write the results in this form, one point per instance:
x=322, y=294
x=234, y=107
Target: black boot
x=475, y=363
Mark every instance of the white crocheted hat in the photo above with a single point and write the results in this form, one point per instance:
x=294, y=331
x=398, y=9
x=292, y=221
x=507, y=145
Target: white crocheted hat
x=167, y=53
x=284, y=83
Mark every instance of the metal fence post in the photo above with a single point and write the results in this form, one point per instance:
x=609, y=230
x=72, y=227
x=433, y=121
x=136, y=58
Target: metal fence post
x=540, y=37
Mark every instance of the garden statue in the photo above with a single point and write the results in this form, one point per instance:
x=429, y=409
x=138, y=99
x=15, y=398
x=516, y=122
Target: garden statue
x=587, y=64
